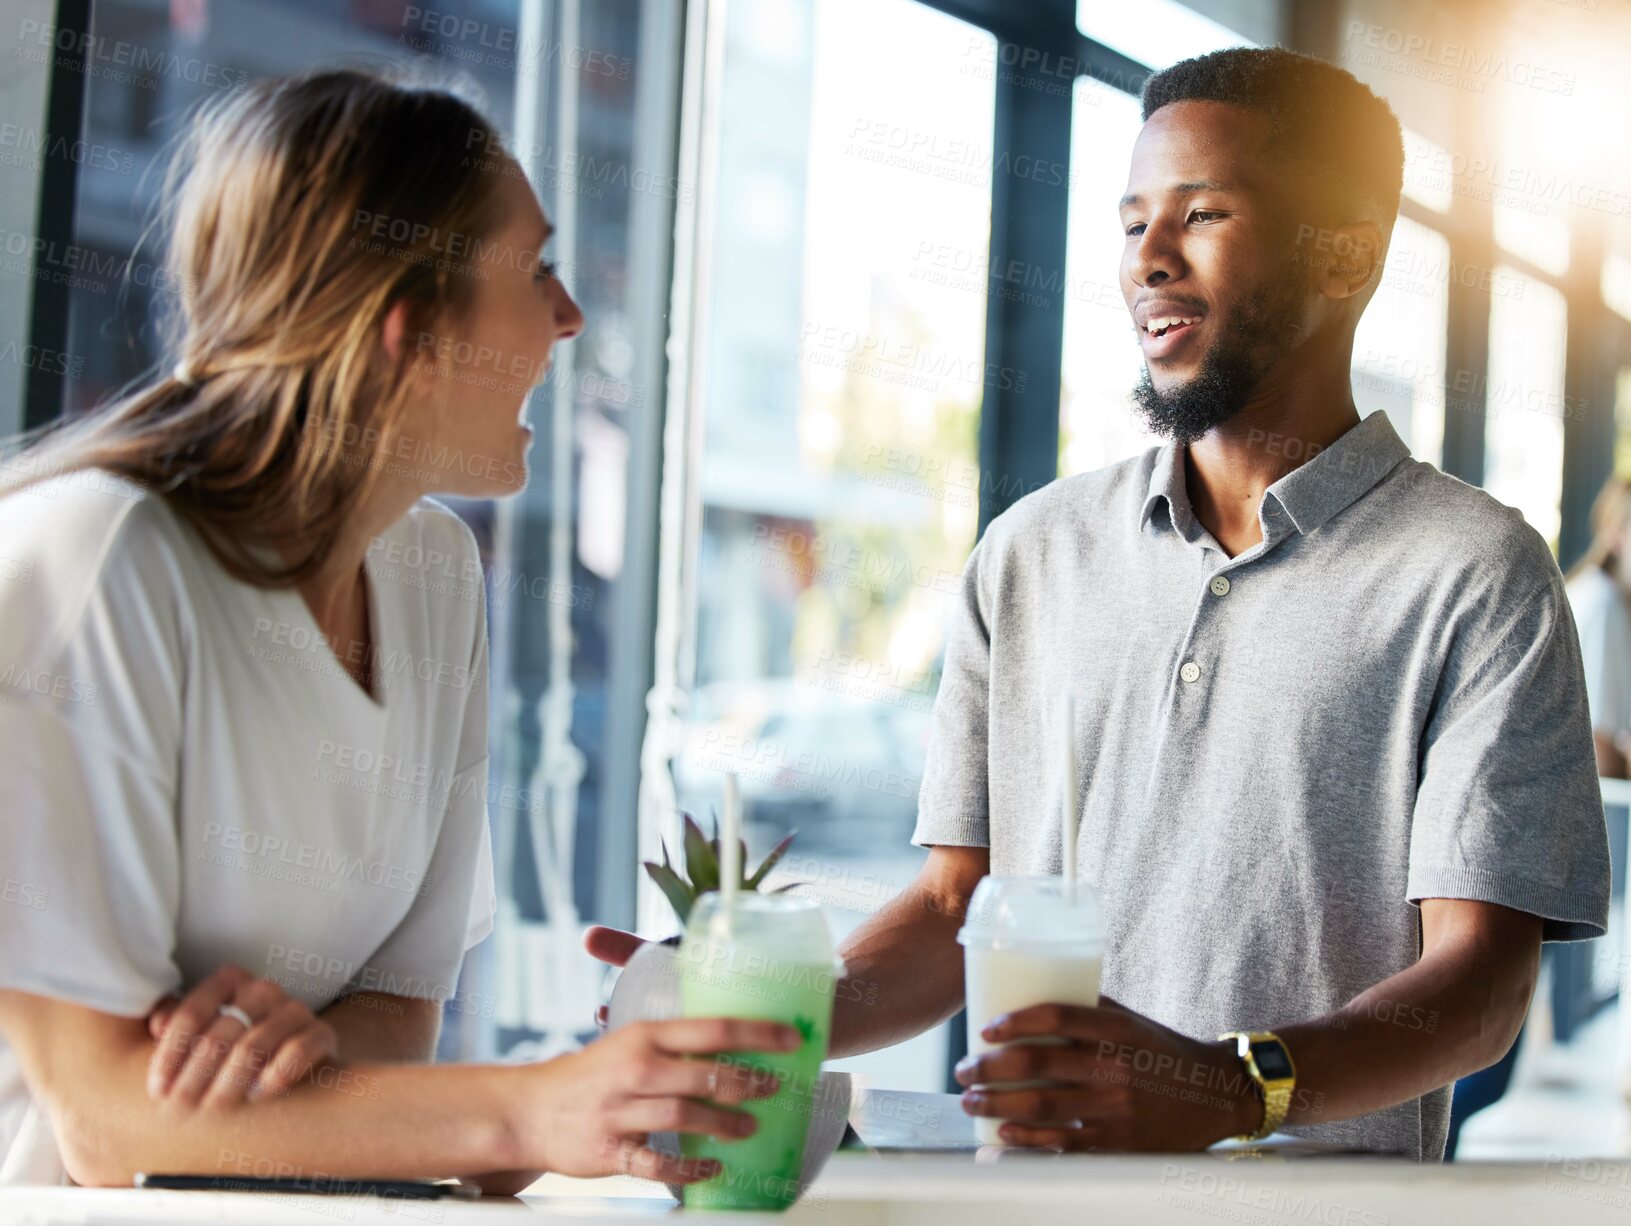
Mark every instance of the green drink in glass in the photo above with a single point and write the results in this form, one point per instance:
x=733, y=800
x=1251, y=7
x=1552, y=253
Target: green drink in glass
x=769, y=957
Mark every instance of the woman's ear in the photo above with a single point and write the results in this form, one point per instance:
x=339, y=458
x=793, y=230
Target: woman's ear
x=394, y=335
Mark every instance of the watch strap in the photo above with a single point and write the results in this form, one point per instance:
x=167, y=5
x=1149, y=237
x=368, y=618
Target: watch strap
x=1276, y=1091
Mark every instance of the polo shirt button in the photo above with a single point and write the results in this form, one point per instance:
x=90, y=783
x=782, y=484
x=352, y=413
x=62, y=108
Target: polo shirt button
x=1219, y=585
x=1191, y=671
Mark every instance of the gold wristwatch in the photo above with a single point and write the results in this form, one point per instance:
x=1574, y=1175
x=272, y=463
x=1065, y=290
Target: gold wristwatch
x=1268, y=1063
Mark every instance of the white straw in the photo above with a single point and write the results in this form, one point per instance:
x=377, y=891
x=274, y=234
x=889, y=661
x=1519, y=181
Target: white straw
x=1067, y=808
x=730, y=845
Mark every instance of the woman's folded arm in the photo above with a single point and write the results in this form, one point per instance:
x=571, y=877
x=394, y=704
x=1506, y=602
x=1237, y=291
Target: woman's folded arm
x=586, y=1113
x=380, y=1027
x=351, y=1120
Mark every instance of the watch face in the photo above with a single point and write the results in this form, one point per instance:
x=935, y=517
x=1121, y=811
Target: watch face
x=1272, y=1061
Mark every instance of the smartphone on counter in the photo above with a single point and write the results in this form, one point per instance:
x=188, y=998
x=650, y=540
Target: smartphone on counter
x=407, y=1189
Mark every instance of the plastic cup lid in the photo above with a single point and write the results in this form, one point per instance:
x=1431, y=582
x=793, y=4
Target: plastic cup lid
x=778, y=927
x=1034, y=911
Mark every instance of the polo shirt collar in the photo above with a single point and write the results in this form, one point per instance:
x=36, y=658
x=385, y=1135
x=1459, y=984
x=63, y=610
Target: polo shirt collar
x=1340, y=475
x=1311, y=494
x=1167, y=483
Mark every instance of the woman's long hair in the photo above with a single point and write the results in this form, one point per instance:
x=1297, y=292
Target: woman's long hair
x=1610, y=512
x=298, y=212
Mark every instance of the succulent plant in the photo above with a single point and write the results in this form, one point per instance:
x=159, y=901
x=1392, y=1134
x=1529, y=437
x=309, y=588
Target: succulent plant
x=702, y=869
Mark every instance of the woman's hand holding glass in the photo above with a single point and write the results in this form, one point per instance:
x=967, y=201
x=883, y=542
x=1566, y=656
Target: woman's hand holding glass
x=588, y=1113
x=597, y=1107
x=207, y=1057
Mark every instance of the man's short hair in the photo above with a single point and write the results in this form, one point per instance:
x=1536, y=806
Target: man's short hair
x=1330, y=129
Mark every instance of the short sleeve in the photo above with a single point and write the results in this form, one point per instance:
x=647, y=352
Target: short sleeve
x=91, y=679
x=954, y=801
x=1508, y=809
x=456, y=903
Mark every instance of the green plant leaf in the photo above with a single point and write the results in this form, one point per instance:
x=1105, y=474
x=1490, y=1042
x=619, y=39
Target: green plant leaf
x=718, y=849
x=680, y=896
x=763, y=871
x=701, y=865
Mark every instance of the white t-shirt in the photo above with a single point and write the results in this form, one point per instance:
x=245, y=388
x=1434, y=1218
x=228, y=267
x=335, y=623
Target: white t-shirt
x=1603, y=620
x=192, y=778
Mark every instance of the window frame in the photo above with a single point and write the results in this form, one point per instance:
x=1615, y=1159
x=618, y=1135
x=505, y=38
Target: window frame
x=43, y=389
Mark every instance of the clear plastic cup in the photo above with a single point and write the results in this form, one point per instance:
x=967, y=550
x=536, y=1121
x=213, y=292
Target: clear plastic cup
x=1027, y=941
x=772, y=958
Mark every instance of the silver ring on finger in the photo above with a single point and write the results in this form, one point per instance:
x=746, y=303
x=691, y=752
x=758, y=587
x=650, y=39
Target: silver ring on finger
x=238, y=1015
x=713, y=1081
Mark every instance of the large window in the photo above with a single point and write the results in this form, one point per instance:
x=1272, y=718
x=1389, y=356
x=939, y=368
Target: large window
x=571, y=577
x=1399, y=347
x=843, y=375
x=1102, y=361
x=1159, y=33
x=1524, y=402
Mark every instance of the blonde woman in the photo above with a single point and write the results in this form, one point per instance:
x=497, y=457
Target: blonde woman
x=245, y=693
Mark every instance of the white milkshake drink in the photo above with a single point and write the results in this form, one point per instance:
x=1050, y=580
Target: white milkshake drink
x=1027, y=941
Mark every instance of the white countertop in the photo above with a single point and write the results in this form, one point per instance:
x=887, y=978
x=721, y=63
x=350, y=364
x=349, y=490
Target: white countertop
x=862, y=1189
x=1283, y=1183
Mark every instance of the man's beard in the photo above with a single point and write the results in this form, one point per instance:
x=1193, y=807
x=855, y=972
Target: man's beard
x=1264, y=328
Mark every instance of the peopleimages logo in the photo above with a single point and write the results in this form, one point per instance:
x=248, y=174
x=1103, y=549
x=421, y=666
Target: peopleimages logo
x=1479, y=64
x=1225, y=1195
x=892, y=361
x=959, y=159
x=84, y=153
x=304, y=641
x=578, y=172
x=236, y=841
x=19, y=679
x=79, y=266
x=505, y=44
x=121, y=61
x=303, y=970
x=39, y=357
x=842, y=560
x=802, y=770
x=24, y=894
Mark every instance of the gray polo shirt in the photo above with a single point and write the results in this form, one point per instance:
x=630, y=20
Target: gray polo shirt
x=1277, y=753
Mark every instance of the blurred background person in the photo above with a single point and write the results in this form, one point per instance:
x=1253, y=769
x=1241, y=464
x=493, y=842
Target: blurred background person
x=1599, y=587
